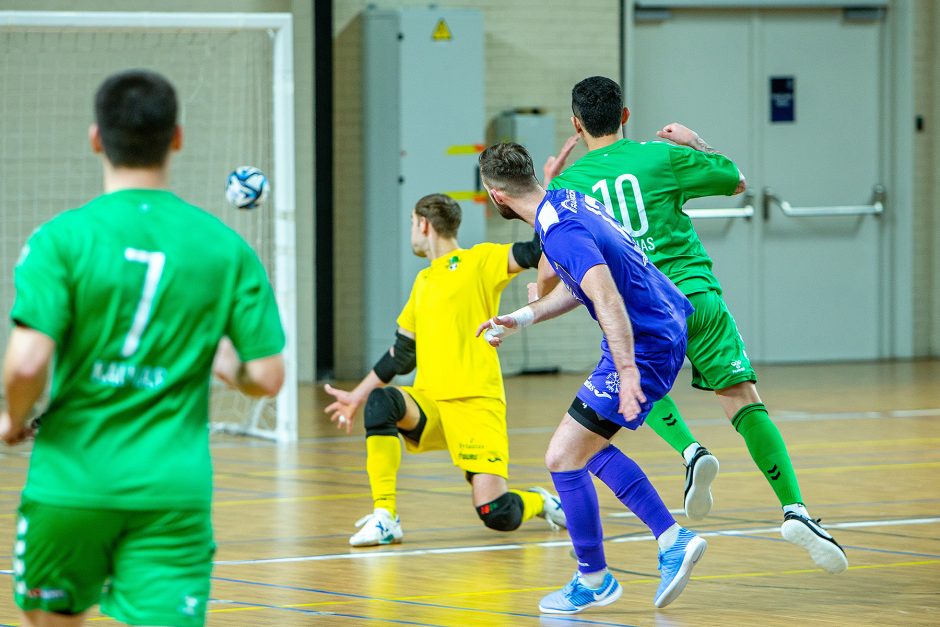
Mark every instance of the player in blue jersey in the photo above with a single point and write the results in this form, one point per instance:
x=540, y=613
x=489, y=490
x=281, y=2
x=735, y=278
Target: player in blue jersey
x=643, y=318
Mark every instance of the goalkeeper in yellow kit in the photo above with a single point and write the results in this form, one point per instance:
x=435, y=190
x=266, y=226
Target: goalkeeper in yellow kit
x=457, y=401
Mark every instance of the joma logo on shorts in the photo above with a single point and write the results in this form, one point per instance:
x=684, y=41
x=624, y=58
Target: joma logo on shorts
x=597, y=392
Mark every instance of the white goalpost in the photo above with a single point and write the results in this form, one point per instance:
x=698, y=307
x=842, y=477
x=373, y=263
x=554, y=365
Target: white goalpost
x=234, y=78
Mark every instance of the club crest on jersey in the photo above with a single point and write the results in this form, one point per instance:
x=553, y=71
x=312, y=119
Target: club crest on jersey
x=452, y=262
x=613, y=382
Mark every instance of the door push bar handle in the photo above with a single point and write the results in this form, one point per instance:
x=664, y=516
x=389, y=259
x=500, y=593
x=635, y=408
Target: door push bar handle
x=876, y=208
x=746, y=210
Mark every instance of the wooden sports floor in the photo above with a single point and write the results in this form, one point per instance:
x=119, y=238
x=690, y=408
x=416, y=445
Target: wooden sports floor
x=865, y=439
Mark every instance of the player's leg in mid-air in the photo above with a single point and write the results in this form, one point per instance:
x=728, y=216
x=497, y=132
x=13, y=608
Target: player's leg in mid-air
x=720, y=363
x=581, y=447
x=475, y=431
x=701, y=467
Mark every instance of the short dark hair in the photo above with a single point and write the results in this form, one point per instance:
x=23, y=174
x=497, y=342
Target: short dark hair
x=508, y=166
x=598, y=102
x=442, y=211
x=136, y=115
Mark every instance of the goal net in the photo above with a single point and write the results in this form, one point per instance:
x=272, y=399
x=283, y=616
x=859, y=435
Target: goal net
x=232, y=73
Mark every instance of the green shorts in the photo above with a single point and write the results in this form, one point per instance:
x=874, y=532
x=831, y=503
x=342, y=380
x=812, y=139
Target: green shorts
x=715, y=348
x=144, y=567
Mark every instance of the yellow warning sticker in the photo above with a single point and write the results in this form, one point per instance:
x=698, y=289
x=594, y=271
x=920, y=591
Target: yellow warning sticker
x=441, y=31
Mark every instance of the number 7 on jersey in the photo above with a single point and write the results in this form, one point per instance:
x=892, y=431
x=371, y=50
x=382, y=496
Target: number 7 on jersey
x=155, y=262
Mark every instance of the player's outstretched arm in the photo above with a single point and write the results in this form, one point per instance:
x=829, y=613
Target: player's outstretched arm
x=258, y=377
x=547, y=280
x=599, y=286
x=559, y=302
x=684, y=136
x=401, y=358
x=555, y=164
x=25, y=373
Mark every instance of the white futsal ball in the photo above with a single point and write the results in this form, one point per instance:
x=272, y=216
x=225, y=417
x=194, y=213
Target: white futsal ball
x=247, y=187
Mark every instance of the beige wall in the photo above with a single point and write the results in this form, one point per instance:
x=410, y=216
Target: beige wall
x=526, y=66
x=927, y=174
x=304, y=110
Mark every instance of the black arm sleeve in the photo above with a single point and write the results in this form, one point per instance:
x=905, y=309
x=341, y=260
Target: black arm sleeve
x=403, y=361
x=527, y=254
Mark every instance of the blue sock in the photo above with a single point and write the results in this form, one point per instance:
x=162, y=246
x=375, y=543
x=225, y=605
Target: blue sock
x=630, y=484
x=579, y=501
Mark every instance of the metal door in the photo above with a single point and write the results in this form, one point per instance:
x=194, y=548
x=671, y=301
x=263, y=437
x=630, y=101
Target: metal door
x=795, y=97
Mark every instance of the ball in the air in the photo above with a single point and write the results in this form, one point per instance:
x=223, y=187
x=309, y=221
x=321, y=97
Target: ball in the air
x=247, y=187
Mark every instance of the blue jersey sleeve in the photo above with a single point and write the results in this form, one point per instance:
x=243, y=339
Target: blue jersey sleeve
x=572, y=246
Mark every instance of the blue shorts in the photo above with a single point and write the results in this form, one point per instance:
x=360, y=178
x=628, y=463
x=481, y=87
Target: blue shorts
x=658, y=371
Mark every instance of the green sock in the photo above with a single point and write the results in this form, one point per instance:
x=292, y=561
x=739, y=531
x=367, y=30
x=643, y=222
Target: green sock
x=664, y=418
x=768, y=451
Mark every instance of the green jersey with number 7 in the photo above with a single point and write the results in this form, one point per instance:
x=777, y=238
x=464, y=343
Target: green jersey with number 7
x=136, y=288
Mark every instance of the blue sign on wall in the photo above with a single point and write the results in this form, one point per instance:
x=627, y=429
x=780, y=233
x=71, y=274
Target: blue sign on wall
x=782, y=99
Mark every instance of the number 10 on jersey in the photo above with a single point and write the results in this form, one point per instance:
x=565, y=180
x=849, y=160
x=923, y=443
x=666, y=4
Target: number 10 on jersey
x=621, y=211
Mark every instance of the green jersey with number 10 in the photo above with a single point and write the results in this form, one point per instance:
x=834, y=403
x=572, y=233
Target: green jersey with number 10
x=643, y=186
x=136, y=288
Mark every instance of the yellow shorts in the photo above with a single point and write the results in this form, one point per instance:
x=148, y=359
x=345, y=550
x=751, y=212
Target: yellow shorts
x=472, y=429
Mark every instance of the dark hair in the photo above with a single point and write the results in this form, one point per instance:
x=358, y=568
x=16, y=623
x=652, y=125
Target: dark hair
x=136, y=115
x=508, y=167
x=442, y=211
x=598, y=102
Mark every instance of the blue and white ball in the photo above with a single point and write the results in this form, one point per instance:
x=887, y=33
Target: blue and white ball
x=247, y=187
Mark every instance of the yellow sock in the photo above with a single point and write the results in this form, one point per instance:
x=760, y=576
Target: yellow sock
x=532, y=504
x=383, y=457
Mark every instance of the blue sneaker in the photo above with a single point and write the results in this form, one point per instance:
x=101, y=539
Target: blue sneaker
x=576, y=597
x=675, y=566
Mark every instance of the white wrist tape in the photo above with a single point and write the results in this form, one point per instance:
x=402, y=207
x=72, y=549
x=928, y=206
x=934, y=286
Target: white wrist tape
x=523, y=317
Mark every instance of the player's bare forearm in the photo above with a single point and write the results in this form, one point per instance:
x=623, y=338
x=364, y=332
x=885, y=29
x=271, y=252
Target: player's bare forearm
x=262, y=377
x=599, y=286
x=556, y=303
x=555, y=164
x=25, y=371
x=684, y=136
x=369, y=382
x=258, y=377
x=547, y=279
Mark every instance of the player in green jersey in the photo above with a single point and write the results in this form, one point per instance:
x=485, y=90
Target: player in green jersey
x=644, y=186
x=132, y=301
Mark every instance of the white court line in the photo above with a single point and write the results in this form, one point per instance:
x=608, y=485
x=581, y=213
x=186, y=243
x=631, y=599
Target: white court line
x=557, y=543
x=780, y=415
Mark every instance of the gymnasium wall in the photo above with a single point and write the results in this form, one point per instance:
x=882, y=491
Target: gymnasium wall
x=535, y=53
x=927, y=177
x=533, y=57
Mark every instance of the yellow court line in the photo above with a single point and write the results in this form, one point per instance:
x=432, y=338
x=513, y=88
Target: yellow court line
x=294, y=499
x=647, y=581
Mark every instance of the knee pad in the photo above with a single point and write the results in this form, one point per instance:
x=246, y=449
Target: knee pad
x=503, y=514
x=384, y=408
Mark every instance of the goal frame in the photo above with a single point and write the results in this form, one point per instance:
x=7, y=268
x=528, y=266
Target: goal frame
x=280, y=25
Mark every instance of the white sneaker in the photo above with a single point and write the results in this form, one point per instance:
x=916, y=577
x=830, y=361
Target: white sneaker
x=699, y=475
x=551, y=509
x=822, y=547
x=377, y=528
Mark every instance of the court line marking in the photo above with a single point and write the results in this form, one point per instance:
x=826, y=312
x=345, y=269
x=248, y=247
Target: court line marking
x=551, y=544
x=642, y=581
x=404, y=600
